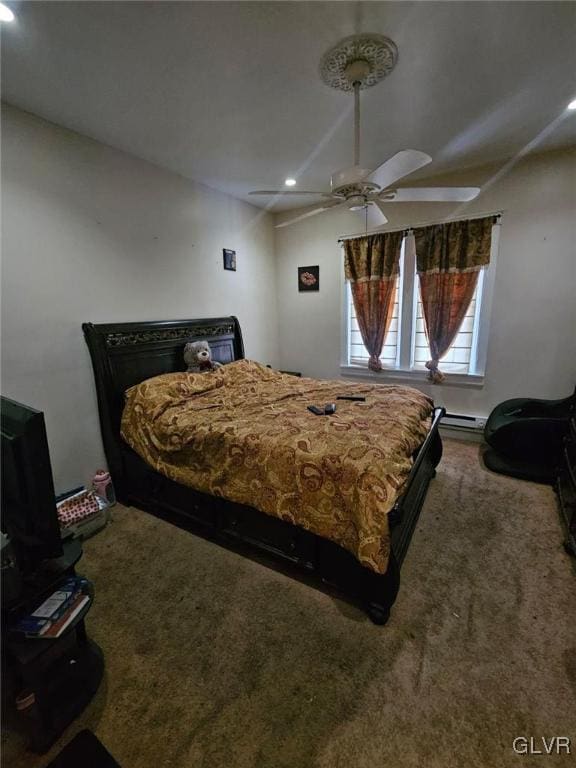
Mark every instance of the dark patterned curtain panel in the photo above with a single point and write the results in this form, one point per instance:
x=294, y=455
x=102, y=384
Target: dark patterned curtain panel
x=371, y=264
x=448, y=259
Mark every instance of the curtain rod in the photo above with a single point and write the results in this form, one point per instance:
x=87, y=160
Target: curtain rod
x=498, y=214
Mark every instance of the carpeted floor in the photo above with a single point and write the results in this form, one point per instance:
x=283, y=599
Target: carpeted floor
x=216, y=661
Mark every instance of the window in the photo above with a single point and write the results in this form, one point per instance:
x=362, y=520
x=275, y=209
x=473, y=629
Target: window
x=405, y=348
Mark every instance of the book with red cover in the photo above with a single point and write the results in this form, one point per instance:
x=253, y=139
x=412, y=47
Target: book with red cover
x=59, y=626
x=51, y=609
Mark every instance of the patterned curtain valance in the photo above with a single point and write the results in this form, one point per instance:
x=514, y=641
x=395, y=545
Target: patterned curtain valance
x=457, y=246
x=374, y=257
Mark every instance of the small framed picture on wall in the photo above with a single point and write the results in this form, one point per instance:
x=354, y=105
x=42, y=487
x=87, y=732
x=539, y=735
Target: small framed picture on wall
x=309, y=278
x=229, y=259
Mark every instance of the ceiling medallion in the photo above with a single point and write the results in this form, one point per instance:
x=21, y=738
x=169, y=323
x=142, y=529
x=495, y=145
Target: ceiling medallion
x=378, y=52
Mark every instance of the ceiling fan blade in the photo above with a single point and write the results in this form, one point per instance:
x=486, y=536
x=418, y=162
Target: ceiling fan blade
x=401, y=164
x=284, y=192
x=313, y=212
x=376, y=215
x=435, y=195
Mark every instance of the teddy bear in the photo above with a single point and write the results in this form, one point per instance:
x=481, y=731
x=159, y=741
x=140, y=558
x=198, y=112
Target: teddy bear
x=198, y=357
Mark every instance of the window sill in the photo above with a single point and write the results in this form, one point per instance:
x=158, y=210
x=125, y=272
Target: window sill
x=412, y=376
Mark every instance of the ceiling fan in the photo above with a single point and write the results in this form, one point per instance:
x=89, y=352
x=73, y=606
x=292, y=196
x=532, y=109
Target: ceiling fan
x=358, y=62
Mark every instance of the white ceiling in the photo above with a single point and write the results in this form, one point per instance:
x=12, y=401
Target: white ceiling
x=229, y=94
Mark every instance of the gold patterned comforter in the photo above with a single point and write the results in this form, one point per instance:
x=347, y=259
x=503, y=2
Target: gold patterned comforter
x=244, y=433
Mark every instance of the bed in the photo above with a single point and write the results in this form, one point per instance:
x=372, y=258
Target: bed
x=154, y=473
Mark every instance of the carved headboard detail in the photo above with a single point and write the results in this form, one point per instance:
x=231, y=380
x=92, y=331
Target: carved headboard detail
x=184, y=334
x=124, y=354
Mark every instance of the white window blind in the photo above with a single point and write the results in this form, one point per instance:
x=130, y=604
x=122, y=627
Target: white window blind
x=459, y=356
x=357, y=351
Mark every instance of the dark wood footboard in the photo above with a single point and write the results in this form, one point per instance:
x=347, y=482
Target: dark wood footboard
x=125, y=354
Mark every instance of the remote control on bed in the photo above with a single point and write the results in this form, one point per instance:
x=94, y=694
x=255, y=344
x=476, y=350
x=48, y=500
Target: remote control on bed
x=359, y=398
x=328, y=409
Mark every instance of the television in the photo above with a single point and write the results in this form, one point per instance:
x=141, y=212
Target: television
x=28, y=506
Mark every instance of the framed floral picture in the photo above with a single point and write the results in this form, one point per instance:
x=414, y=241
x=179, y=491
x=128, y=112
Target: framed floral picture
x=309, y=278
x=229, y=259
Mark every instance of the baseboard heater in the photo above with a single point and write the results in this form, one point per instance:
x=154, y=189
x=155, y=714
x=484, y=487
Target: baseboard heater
x=457, y=421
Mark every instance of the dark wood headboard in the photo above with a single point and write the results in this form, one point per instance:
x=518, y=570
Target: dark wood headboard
x=124, y=354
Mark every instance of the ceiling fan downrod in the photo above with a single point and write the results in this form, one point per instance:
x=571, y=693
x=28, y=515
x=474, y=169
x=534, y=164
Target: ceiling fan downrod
x=357, y=72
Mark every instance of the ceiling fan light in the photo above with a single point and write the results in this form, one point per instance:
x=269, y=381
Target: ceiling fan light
x=290, y=182
x=572, y=105
x=356, y=203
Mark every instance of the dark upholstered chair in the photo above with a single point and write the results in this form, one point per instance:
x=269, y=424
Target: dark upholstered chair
x=525, y=437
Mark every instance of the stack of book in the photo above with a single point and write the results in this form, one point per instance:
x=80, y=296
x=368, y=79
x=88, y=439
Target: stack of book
x=57, y=612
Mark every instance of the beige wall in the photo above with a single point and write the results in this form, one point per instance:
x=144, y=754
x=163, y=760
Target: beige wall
x=532, y=344
x=93, y=234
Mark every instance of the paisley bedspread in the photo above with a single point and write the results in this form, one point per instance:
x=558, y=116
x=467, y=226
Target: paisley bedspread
x=244, y=433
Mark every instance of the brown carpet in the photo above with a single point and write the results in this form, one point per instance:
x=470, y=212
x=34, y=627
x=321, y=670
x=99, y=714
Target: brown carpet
x=214, y=660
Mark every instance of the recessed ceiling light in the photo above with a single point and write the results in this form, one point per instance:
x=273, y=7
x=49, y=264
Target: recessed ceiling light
x=5, y=13
x=572, y=104
x=290, y=182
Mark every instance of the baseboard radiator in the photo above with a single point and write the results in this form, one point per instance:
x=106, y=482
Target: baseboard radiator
x=471, y=424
